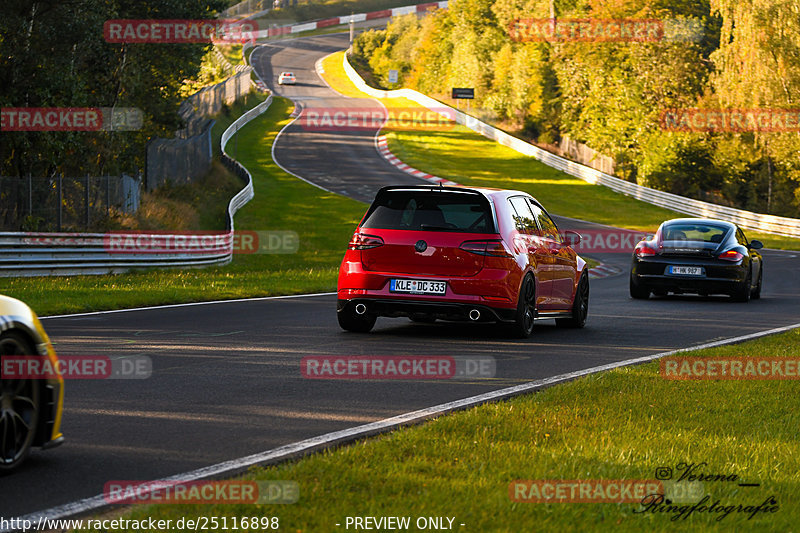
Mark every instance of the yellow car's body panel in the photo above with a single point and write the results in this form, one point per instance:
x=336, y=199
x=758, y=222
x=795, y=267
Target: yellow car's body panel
x=18, y=317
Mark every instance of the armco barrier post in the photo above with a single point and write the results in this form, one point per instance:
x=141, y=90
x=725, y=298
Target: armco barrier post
x=60, y=199
x=86, y=202
x=30, y=195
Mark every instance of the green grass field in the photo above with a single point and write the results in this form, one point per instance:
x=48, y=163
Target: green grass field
x=618, y=425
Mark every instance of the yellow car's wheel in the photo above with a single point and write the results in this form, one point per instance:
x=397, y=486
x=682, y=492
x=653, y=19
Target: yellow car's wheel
x=19, y=406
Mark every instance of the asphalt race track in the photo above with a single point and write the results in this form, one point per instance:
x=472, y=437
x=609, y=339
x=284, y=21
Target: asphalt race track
x=344, y=162
x=226, y=377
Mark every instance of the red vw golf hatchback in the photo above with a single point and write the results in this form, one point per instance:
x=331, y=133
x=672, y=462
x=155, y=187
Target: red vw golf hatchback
x=458, y=253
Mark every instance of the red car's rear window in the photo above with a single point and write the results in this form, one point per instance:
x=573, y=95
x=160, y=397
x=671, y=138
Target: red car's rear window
x=431, y=211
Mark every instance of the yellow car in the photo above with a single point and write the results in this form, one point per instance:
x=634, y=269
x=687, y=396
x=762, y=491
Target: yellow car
x=30, y=407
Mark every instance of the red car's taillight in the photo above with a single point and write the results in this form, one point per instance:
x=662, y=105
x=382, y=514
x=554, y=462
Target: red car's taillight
x=489, y=247
x=731, y=255
x=642, y=250
x=362, y=241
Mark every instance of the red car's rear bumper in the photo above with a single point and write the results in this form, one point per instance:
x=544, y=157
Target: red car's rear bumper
x=493, y=292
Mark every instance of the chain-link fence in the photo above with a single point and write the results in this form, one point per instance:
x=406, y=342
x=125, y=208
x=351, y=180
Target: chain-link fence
x=179, y=160
x=209, y=101
x=188, y=157
x=62, y=203
x=248, y=7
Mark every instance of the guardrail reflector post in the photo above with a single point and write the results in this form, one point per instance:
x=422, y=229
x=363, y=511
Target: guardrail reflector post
x=60, y=199
x=30, y=196
x=86, y=201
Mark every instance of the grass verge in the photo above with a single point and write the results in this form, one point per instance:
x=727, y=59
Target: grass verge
x=461, y=465
x=231, y=52
x=457, y=153
x=281, y=203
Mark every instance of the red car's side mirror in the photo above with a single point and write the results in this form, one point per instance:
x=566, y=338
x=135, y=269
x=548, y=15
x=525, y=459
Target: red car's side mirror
x=572, y=238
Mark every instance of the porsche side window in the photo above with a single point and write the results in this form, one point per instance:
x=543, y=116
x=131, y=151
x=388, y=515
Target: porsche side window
x=740, y=237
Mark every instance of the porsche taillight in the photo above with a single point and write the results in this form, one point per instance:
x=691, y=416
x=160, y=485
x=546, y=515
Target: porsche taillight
x=731, y=255
x=363, y=241
x=642, y=250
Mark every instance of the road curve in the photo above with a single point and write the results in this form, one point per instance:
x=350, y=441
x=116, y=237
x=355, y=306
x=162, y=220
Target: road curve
x=339, y=161
x=226, y=376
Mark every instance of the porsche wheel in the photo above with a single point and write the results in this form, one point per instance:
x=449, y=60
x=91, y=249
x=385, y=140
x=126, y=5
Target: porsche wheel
x=638, y=292
x=19, y=406
x=757, y=292
x=743, y=292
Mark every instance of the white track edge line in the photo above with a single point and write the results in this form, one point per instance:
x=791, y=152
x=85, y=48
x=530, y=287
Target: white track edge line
x=188, y=304
x=348, y=435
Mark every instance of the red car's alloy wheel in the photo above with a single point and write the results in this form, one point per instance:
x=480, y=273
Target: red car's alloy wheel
x=526, y=309
x=580, y=306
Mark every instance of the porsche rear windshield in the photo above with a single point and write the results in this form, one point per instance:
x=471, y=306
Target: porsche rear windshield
x=683, y=231
x=431, y=211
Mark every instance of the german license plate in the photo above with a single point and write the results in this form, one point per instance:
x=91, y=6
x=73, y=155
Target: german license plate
x=686, y=271
x=418, y=286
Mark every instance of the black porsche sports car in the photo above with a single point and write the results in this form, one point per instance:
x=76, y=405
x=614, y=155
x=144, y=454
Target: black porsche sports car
x=696, y=255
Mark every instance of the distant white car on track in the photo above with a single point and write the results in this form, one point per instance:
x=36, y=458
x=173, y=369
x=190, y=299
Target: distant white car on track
x=286, y=78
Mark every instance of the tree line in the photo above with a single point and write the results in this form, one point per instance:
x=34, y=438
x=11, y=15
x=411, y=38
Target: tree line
x=53, y=53
x=631, y=99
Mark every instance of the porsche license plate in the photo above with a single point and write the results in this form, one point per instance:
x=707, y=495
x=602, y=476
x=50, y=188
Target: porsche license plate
x=418, y=286
x=686, y=271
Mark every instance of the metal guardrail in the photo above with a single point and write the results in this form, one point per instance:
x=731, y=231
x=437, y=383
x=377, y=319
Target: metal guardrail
x=46, y=254
x=299, y=27
x=784, y=226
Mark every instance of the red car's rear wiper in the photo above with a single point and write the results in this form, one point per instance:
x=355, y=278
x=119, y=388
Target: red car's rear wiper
x=435, y=228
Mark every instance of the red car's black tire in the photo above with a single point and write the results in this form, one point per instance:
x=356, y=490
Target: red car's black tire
x=526, y=310
x=580, y=306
